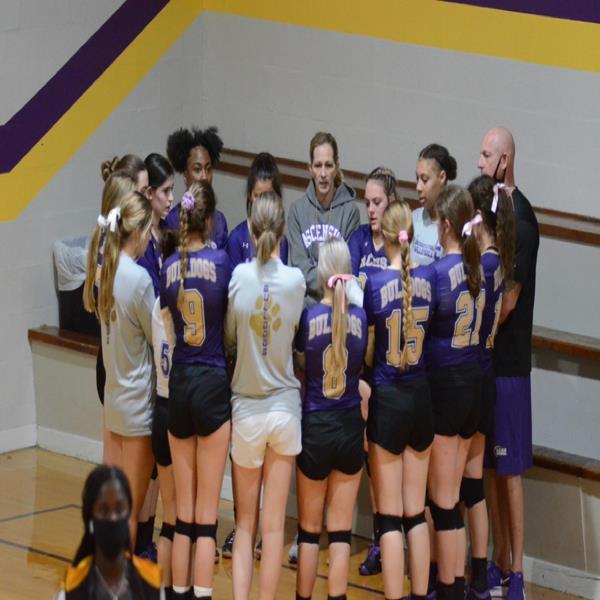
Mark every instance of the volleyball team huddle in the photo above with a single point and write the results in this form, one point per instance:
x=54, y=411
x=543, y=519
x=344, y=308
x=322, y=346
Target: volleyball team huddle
x=309, y=350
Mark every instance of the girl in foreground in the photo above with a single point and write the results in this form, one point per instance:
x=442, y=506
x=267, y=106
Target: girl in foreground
x=103, y=566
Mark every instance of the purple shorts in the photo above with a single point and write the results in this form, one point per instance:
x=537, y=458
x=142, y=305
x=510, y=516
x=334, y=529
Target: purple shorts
x=509, y=447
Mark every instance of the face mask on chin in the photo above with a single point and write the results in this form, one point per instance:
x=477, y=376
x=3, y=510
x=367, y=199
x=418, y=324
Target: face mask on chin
x=497, y=178
x=112, y=537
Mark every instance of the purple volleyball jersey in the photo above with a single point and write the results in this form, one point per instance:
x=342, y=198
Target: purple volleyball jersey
x=366, y=259
x=492, y=270
x=199, y=329
x=240, y=246
x=454, y=331
x=219, y=233
x=152, y=259
x=383, y=303
x=326, y=388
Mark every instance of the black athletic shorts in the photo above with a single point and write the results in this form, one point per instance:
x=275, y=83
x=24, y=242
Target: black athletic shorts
x=331, y=439
x=456, y=398
x=487, y=404
x=400, y=415
x=199, y=400
x=160, y=439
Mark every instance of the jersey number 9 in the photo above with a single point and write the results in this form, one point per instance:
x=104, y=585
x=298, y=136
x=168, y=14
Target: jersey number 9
x=194, y=330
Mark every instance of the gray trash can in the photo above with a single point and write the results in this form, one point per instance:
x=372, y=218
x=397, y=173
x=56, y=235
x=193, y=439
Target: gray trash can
x=70, y=257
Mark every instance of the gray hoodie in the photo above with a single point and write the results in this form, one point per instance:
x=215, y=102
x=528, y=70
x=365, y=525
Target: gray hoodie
x=309, y=225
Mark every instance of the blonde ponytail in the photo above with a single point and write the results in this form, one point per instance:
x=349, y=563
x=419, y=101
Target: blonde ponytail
x=397, y=229
x=135, y=214
x=116, y=187
x=334, y=268
x=339, y=325
x=267, y=221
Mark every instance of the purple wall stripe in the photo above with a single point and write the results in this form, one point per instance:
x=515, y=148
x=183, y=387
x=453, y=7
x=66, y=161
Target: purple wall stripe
x=573, y=10
x=51, y=102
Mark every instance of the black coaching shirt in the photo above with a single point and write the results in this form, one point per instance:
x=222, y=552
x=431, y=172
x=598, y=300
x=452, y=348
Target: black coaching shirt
x=512, y=347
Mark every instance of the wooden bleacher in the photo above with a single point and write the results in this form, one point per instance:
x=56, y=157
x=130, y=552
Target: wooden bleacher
x=545, y=458
x=557, y=224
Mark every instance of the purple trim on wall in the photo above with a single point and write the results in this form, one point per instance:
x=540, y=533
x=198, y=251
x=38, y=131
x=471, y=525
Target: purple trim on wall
x=573, y=10
x=51, y=102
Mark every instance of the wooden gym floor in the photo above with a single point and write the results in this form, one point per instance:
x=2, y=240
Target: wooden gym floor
x=40, y=527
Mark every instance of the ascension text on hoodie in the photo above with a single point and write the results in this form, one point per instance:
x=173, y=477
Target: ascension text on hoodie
x=309, y=225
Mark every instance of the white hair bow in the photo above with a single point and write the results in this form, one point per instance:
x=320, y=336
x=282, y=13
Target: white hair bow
x=110, y=222
x=497, y=188
x=468, y=226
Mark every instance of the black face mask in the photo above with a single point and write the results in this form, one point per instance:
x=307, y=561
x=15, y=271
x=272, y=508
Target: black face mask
x=111, y=537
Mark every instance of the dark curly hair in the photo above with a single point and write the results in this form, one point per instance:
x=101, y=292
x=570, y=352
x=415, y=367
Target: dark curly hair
x=181, y=142
x=442, y=157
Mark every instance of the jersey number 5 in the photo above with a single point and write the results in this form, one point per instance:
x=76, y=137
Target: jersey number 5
x=194, y=330
x=334, y=376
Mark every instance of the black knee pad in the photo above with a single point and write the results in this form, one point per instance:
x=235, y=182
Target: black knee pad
x=367, y=465
x=444, y=519
x=187, y=529
x=409, y=522
x=308, y=537
x=341, y=597
x=471, y=491
x=206, y=530
x=339, y=537
x=167, y=531
x=389, y=523
x=458, y=518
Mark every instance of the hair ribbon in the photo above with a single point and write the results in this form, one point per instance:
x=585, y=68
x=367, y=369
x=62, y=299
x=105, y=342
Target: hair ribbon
x=468, y=226
x=110, y=222
x=188, y=201
x=497, y=188
x=343, y=277
x=403, y=236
